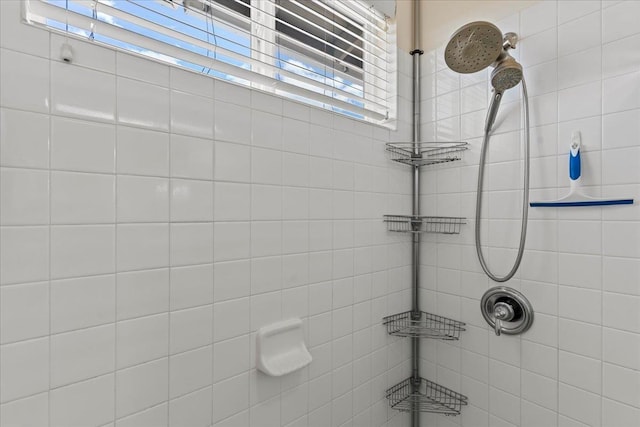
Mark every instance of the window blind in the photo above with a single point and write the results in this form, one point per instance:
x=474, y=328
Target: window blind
x=335, y=54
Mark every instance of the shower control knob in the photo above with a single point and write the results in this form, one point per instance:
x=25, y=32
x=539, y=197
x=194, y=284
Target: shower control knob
x=502, y=312
x=506, y=310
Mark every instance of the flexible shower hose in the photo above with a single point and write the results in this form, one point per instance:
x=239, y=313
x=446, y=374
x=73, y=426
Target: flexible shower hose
x=525, y=198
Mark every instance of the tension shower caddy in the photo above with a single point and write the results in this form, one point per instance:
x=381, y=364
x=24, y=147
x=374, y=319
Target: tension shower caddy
x=416, y=394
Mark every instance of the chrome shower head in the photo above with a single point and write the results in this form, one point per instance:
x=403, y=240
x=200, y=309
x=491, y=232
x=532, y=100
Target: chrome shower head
x=473, y=47
x=506, y=75
x=479, y=44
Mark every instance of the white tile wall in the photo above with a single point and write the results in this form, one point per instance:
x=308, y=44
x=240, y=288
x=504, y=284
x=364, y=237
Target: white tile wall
x=578, y=365
x=152, y=219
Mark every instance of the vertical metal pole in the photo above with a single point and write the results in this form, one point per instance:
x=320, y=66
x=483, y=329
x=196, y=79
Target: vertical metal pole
x=415, y=258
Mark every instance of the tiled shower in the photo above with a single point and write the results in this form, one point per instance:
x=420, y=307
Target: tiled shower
x=153, y=219
x=579, y=364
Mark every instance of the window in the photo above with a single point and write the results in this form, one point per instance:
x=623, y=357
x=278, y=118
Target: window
x=334, y=54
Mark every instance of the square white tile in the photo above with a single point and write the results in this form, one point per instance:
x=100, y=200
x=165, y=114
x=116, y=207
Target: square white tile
x=83, y=93
x=142, y=246
x=25, y=311
x=79, y=198
x=143, y=105
x=24, y=197
x=191, y=286
x=142, y=340
x=191, y=115
x=142, y=199
x=81, y=355
x=82, y=146
x=24, y=139
x=86, y=403
x=141, y=293
x=191, y=157
x=82, y=302
x=25, y=82
x=142, y=152
x=24, y=254
x=25, y=369
x=191, y=243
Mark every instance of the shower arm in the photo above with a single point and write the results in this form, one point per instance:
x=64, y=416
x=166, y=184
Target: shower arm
x=510, y=40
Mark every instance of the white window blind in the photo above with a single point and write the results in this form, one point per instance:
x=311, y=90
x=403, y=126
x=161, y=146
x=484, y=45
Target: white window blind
x=331, y=53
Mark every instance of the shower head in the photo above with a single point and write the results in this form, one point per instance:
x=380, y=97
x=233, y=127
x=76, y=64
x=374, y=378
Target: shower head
x=477, y=45
x=506, y=75
x=473, y=47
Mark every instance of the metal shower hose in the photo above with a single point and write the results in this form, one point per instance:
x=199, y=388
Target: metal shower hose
x=525, y=198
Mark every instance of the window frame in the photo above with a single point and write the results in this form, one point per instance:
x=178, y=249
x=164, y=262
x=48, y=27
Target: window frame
x=265, y=48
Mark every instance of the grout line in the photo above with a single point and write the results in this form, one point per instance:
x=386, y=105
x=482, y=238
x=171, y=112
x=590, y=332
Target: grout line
x=50, y=137
x=250, y=259
x=557, y=232
x=115, y=255
x=170, y=263
x=602, y=237
x=213, y=253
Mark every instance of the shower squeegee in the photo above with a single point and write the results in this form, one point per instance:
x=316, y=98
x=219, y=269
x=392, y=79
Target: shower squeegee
x=575, y=196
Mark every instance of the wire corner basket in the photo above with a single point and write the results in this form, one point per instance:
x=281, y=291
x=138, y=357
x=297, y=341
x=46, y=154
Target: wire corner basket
x=423, y=325
x=427, y=396
x=424, y=224
x=425, y=153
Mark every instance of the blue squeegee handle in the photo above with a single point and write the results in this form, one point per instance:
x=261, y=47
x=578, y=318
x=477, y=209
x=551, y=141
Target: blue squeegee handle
x=574, y=163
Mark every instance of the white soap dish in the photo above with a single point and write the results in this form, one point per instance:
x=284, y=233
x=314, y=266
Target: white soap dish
x=280, y=348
